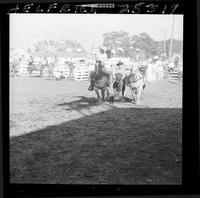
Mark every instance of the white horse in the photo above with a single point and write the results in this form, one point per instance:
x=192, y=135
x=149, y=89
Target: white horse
x=136, y=82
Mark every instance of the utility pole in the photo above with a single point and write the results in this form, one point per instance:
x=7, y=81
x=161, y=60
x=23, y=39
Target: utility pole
x=172, y=35
x=164, y=46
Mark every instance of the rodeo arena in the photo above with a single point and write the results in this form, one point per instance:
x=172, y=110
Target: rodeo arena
x=98, y=118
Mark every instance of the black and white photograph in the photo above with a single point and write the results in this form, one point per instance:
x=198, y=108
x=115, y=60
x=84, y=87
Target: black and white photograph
x=95, y=99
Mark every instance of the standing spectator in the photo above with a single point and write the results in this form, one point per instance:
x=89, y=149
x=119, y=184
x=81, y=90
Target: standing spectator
x=151, y=70
x=108, y=53
x=180, y=68
x=176, y=61
x=181, y=71
x=171, y=66
x=159, y=69
x=71, y=69
x=160, y=72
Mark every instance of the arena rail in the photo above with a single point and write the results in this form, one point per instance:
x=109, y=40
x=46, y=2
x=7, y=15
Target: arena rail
x=81, y=74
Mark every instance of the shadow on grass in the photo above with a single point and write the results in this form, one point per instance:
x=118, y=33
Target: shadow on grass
x=88, y=102
x=118, y=146
x=83, y=102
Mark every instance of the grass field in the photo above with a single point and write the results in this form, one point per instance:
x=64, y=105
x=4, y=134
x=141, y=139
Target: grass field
x=60, y=134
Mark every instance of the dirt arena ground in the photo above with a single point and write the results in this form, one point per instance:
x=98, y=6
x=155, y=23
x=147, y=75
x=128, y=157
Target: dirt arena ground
x=60, y=134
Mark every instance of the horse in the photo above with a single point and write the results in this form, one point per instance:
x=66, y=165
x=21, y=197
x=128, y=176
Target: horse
x=33, y=66
x=136, y=82
x=118, y=85
x=99, y=82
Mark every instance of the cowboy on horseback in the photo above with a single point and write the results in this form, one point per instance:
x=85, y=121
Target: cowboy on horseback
x=101, y=70
x=120, y=70
x=119, y=76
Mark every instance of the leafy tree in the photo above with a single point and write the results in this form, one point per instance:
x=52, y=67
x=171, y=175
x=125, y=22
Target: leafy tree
x=142, y=45
x=130, y=45
x=148, y=47
x=177, y=47
x=52, y=48
x=119, y=41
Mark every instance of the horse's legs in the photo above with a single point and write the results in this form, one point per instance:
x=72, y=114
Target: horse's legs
x=98, y=96
x=103, y=95
x=115, y=93
x=107, y=92
x=120, y=95
x=139, y=94
x=123, y=88
x=143, y=86
x=120, y=90
x=132, y=92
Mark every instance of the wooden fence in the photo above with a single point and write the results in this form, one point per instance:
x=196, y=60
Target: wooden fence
x=81, y=74
x=174, y=76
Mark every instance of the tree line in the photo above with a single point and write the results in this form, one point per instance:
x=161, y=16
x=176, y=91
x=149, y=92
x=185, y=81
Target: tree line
x=120, y=43
x=143, y=45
